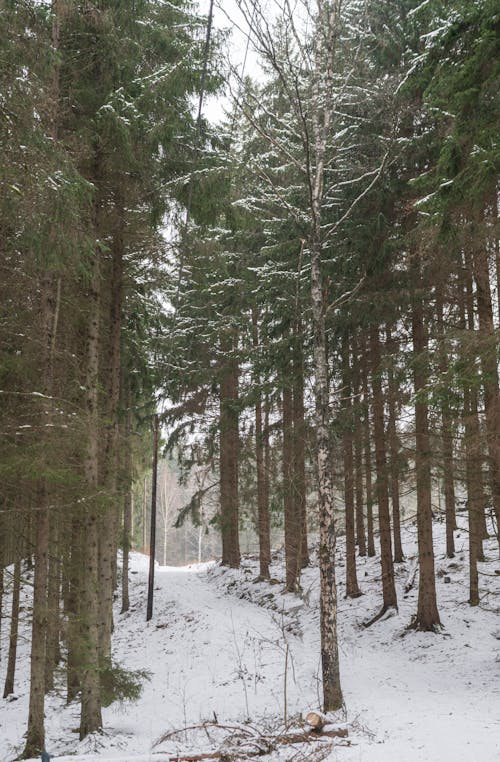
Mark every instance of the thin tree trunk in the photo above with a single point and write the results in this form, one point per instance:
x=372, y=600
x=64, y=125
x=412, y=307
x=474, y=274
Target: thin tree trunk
x=358, y=451
x=53, y=602
x=73, y=573
x=292, y=525
x=388, y=586
x=392, y=436
x=427, y=617
x=299, y=447
x=352, y=588
x=262, y=494
x=14, y=627
x=489, y=367
x=35, y=737
x=474, y=421
x=144, y=516
x=368, y=454
x=447, y=443
x=127, y=514
x=229, y=455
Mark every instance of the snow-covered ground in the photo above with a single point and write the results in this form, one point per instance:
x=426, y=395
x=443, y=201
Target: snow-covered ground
x=218, y=645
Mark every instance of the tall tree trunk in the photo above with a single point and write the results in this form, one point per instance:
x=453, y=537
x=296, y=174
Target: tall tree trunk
x=489, y=368
x=14, y=627
x=392, y=436
x=447, y=442
x=108, y=519
x=352, y=587
x=358, y=451
x=229, y=455
x=262, y=494
x=91, y=715
x=474, y=421
x=53, y=602
x=35, y=734
x=292, y=525
x=368, y=452
x=474, y=491
x=127, y=512
x=73, y=574
x=332, y=692
x=427, y=617
x=388, y=586
x=299, y=446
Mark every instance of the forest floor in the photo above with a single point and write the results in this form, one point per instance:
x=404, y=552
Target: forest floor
x=219, y=645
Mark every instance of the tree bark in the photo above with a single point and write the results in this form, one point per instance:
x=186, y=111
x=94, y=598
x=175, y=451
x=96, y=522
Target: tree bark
x=427, y=617
x=35, y=734
x=388, y=586
x=332, y=692
x=91, y=715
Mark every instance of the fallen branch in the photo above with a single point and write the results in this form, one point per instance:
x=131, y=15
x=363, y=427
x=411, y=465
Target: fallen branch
x=263, y=744
x=410, y=581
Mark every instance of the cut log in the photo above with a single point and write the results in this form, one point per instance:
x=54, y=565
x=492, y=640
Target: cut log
x=315, y=721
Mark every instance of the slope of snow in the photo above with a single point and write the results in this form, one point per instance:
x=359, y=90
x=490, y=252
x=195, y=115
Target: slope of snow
x=221, y=646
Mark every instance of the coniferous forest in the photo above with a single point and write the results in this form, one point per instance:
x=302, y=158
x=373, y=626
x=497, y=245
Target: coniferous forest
x=262, y=298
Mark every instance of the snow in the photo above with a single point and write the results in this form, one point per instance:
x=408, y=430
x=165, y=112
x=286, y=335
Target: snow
x=218, y=643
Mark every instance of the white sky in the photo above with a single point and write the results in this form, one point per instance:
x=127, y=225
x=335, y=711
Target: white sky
x=227, y=16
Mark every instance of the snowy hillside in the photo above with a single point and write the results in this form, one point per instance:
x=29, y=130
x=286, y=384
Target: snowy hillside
x=218, y=645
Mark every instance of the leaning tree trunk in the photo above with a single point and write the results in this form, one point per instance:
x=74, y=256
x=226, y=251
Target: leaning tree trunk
x=427, y=617
x=384, y=518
